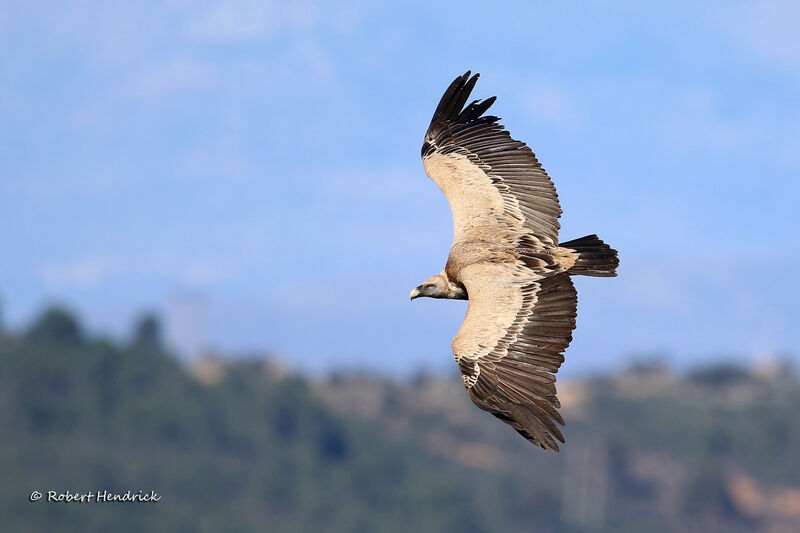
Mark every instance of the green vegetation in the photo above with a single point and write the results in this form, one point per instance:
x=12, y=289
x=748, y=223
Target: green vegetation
x=247, y=448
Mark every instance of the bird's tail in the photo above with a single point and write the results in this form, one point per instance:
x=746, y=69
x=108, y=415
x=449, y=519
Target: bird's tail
x=595, y=258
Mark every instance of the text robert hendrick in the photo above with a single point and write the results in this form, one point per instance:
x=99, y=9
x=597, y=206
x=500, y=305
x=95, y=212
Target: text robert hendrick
x=102, y=496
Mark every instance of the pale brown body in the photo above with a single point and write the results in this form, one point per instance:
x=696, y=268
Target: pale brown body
x=448, y=283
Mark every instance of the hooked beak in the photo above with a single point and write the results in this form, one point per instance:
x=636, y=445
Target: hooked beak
x=415, y=293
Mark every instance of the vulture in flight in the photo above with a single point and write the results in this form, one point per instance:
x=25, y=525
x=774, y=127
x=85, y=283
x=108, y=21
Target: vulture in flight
x=507, y=261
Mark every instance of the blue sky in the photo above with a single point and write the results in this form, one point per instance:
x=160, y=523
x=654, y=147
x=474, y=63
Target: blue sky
x=266, y=156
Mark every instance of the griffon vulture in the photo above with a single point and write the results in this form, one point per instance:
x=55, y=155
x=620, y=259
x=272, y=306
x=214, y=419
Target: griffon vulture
x=507, y=261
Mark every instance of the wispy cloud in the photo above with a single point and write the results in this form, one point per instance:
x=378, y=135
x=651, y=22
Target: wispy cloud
x=85, y=273
x=550, y=102
x=96, y=270
x=765, y=28
x=165, y=79
x=253, y=19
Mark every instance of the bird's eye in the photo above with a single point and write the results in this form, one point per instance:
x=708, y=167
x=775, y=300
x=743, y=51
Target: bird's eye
x=429, y=286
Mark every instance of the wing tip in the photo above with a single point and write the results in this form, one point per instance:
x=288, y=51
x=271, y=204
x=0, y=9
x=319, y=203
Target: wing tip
x=451, y=106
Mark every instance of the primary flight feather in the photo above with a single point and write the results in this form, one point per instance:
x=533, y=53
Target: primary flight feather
x=507, y=261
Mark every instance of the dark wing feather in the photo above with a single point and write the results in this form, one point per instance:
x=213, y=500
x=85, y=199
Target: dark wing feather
x=515, y=380
x=510, y=164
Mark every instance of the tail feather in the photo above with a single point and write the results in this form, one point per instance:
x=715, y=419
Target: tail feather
x=595, y=258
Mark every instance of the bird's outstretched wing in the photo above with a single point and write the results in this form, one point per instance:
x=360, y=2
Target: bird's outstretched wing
x=510, y=346
x=491, y=181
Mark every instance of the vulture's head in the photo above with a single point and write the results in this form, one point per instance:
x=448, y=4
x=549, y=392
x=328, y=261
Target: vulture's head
x=439, y=287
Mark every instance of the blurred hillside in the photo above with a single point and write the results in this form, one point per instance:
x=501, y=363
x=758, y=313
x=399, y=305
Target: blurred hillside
x=249, y=446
